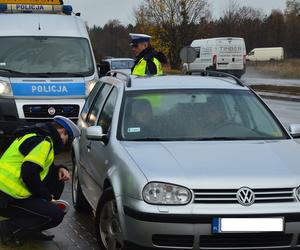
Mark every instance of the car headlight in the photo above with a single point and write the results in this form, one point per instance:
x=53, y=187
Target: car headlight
x=167, y=194
x=297, y=193
x=5, y=89
x=89, y=85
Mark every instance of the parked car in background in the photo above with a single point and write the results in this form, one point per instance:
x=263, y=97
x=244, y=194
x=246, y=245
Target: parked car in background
x=266, y=54
x=224, y=54
x=120, y=64
x=186, y=162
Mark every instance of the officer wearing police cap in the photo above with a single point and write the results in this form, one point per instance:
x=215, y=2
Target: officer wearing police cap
x=148, y=61
x=30, y=182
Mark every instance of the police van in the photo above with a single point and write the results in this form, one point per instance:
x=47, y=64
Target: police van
x=47, y=66
x=225, y=54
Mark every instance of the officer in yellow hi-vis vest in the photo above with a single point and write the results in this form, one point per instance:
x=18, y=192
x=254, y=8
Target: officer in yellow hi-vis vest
x=148, y=61
x=30, y=182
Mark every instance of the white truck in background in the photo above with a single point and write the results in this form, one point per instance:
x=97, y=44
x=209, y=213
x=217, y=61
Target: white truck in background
x=224, y=54
x=266, y=54
x=47, y=66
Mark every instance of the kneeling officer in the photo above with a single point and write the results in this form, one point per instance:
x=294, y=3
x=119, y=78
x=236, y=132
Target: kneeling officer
x=30, y=182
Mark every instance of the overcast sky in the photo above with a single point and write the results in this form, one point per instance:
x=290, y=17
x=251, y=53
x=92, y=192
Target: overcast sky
x=98, y=12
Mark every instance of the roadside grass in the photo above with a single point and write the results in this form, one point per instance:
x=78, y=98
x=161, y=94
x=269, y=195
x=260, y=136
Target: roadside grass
x=289, y=90
x=289, y=68
x=167, y=70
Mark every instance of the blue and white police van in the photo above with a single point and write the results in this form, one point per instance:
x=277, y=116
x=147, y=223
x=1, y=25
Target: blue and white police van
x=47, y=66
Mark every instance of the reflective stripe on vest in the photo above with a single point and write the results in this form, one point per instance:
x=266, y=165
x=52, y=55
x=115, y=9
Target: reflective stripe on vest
x=12, y=160
x=140, y=68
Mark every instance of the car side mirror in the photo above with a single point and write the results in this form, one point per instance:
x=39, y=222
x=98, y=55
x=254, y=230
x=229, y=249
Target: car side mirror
x=95, y=133
x=295, y=130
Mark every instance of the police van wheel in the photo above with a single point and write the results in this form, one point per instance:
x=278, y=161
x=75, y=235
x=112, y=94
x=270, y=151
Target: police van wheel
x=79, y=201
x=108, y=227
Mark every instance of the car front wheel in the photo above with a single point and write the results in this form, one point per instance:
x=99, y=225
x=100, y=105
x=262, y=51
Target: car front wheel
x=108, y=227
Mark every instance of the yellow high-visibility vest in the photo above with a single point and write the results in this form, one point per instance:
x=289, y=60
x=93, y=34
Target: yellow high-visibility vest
x=10, y=165
x=140, y=67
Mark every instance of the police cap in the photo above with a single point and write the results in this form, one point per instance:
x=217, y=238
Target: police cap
x=138, y=38
x=71, y=128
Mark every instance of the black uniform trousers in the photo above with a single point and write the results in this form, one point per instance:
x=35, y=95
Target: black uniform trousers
x=34, y=213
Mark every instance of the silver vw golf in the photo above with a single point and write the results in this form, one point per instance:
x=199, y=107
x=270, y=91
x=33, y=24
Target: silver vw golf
x=186, y=162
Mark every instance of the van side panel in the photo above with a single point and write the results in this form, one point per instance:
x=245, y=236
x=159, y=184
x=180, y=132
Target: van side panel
x=225, y=54
x=266, y=54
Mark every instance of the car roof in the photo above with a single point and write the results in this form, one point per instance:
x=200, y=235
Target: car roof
x=42, y=25
x=182, y=82
x=118, y=59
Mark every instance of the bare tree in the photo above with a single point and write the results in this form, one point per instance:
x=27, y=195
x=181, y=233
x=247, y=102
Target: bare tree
x=171, y=22
x=293, y=28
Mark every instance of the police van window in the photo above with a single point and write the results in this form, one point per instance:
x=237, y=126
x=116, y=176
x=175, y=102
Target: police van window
x=62, y=56
x=97, y=105
x=90, y=99
x=108, y=111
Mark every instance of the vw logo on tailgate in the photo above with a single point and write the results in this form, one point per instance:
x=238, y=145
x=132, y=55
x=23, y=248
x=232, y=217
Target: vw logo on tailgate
x=245, y=196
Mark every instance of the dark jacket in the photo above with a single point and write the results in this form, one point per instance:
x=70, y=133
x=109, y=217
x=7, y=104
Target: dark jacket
x=148, y=55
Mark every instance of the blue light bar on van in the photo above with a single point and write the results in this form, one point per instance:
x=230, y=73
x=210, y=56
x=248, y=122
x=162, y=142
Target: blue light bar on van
x=3, y=7
x=67, y=9
x=36, y=8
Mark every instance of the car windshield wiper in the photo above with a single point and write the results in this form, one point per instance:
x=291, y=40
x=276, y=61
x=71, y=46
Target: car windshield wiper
x=222, y=138
x=51, y=74
x=13, y=72
x=152, y=139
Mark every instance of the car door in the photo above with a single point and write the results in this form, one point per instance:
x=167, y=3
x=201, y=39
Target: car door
x=84, y=115
x=99, y=152
x=91, y=120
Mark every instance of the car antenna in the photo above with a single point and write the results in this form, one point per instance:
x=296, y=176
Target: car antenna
x=223, y=74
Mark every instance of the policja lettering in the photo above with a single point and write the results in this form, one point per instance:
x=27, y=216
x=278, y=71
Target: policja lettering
x=49, y=89
x=29, y=7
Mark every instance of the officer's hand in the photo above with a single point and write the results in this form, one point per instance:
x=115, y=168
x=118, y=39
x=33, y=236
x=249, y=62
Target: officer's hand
x=63, y=174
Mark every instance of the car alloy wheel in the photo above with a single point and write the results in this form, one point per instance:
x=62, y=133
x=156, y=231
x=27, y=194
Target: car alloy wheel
x=109, y=232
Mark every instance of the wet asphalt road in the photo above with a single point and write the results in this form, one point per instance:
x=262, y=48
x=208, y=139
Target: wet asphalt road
x=253, y=77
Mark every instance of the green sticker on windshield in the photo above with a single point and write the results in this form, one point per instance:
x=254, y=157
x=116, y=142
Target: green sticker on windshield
x=134, y=130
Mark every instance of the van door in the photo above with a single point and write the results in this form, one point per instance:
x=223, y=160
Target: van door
x=230, y=54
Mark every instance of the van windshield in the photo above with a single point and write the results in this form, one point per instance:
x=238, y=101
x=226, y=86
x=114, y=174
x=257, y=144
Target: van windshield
x=54, y=56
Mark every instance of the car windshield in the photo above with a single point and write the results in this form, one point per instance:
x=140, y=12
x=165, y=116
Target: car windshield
x=122, y=64
x=197, y=115
x=48, y=55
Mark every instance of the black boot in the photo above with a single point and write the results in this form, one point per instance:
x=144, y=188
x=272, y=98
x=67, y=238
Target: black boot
x=34, y=235
x=6, y=235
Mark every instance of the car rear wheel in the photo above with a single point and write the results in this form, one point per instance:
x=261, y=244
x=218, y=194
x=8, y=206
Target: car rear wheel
x=108, y=227
x=79, y=201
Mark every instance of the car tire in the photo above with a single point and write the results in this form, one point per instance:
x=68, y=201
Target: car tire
x=108, y=228
x=79, y=201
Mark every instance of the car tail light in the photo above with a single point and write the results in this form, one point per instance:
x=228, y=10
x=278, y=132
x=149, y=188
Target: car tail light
x=215, y=60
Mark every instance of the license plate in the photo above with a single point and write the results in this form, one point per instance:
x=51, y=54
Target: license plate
x=232, y=225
